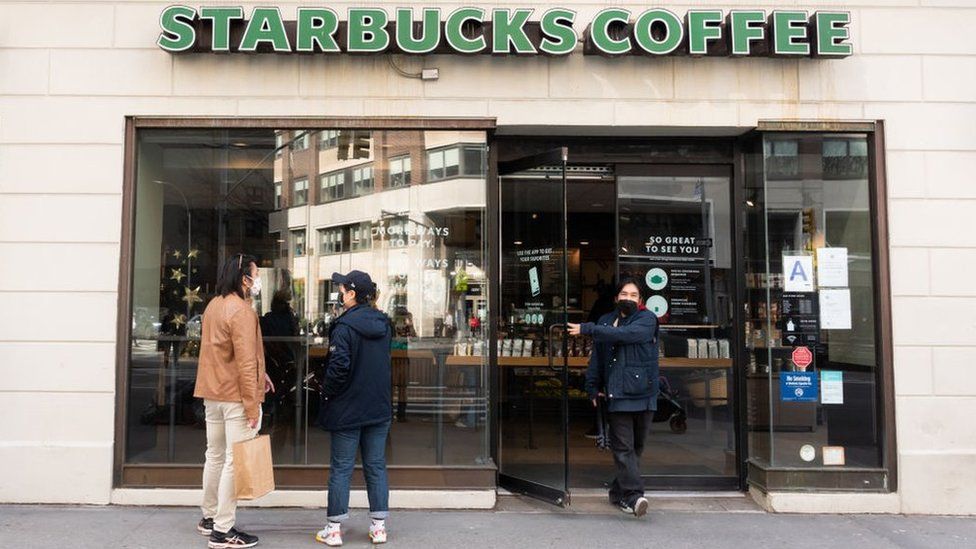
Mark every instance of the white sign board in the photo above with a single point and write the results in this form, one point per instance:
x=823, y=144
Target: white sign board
x=798, y=273
x=835, y=309
x=832, y=267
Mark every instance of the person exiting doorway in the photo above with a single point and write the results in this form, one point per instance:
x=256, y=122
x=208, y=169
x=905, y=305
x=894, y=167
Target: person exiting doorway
x=623, y=370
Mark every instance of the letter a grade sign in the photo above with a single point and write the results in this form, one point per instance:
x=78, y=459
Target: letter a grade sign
x=798, y=273
x=505, y=31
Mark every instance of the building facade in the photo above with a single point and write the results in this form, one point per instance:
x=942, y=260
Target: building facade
x=789, y=181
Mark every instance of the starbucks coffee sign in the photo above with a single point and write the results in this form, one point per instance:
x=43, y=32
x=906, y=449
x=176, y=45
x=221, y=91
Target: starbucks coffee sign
x=506, y=31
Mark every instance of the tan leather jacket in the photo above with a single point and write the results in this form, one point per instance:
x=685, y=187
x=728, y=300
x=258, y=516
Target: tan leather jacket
x=231, y=367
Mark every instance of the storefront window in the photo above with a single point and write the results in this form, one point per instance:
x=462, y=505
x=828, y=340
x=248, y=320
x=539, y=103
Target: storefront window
x=812, y=378
x=203, y=195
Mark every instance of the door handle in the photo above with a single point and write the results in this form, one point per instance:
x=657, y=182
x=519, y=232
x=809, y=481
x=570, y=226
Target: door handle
x=552, y=327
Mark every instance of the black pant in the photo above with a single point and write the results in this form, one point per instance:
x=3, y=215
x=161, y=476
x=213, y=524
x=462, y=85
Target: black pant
x=628, y=431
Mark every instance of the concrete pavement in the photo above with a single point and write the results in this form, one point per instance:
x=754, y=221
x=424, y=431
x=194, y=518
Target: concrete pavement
x=517, y=523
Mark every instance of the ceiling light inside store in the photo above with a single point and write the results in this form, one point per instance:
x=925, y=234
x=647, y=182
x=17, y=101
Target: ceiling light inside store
x=584, y=242
x=518, y=242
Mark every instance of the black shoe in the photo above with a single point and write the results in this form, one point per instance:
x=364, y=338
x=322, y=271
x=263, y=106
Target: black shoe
x=231, y=540
x=592, y=433
x=206, y=526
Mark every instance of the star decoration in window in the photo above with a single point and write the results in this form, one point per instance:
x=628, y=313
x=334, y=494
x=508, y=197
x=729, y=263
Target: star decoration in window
x=192, y=296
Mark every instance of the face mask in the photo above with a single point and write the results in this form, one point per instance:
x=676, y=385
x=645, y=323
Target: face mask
x=626, y=307
x=255, y=286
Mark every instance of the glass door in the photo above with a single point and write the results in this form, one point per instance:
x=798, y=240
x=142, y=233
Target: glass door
x=674, y=231
x=533, y=355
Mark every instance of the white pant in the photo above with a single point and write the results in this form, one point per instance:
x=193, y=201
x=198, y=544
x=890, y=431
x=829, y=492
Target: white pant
x=226, y=425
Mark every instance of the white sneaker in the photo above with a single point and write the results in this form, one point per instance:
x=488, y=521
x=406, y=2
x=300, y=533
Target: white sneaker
x=640, y=507
x=377, y=531
x=331, y=535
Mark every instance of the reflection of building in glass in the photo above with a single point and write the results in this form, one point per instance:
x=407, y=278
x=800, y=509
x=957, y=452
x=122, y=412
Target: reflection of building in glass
x=405, y=206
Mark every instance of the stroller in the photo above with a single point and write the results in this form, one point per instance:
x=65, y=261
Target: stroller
x=668, y=409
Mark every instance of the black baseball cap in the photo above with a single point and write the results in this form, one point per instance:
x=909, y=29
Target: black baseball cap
x=356, y=280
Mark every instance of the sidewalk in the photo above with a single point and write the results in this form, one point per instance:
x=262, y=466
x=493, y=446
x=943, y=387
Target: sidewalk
x=515, y=524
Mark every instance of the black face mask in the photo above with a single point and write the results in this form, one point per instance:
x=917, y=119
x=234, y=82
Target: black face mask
x=626, y=307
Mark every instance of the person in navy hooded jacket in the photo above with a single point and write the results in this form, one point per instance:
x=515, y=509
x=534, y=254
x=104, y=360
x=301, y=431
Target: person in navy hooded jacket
x=356, y=404
x=623, y=369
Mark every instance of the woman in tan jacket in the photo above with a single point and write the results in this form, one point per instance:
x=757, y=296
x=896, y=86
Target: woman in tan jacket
x=232, y=381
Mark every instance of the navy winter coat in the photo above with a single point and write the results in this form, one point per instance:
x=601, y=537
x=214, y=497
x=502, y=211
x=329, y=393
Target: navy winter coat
x=623, y=364
x=356, y=384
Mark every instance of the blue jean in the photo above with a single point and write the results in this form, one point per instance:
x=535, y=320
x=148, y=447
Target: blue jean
x=371, y=442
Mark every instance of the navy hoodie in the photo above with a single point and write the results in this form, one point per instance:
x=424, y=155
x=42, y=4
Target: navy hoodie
x=356, y=388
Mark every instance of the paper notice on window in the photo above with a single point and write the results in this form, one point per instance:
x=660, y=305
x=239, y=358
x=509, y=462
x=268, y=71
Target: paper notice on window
x=832, y=267
x=833, y=455
x=831, y=387
x=835, y=309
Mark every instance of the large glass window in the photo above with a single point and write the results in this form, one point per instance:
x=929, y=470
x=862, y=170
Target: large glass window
x=812, y=372
x=203, y=195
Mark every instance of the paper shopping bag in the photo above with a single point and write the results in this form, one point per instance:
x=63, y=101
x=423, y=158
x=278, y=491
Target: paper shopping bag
x=253, y=470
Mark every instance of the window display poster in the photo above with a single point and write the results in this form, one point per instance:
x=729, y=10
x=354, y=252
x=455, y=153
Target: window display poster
x=675, y=291
x=835, y=309
x=832, y=267
x=831, y=387
x=798, y=273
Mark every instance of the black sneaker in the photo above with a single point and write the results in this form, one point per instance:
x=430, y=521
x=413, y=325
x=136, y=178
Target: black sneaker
x=206, y=526
x=231, y=540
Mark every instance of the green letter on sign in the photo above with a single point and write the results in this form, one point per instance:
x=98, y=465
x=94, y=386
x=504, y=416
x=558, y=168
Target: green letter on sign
x=265, y=26
x=559, y=36
x=367, y=30
x=507, y=30
x=599, y=31
x=831, y=33
x=787, y=28
x=703, y=26
x=178, y=32
x=430, y=32
x=456, y=38
x=221, y=18
x=674, y=32
x=745, y=27
x=316, y=25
